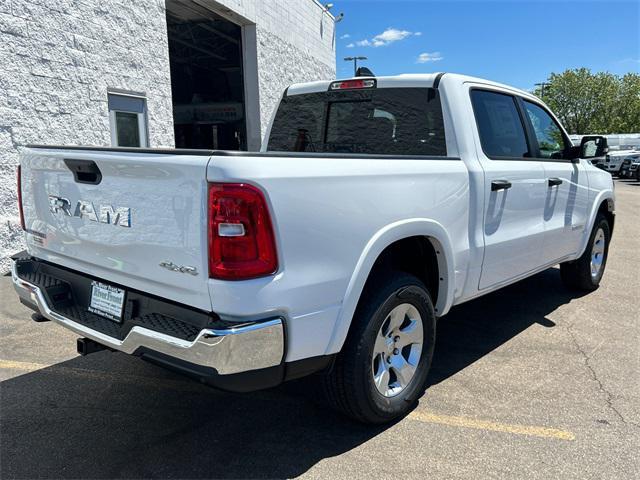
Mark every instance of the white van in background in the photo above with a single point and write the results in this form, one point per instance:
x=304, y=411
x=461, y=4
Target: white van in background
x=620, y=146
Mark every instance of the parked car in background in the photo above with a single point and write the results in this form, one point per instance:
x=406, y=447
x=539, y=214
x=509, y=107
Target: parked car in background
x=613, y=160
x=634, y=170
x=625, y=169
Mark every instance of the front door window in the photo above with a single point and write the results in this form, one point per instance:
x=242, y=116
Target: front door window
x=551, y=142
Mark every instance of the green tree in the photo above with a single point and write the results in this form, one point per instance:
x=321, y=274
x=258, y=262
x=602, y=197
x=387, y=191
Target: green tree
x=629, y=104
x=589, y=102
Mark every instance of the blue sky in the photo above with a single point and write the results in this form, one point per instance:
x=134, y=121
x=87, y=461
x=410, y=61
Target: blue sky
x=515, y=42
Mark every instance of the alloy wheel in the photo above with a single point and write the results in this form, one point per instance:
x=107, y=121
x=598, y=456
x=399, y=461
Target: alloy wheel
x=597, y=253
x=397, y=350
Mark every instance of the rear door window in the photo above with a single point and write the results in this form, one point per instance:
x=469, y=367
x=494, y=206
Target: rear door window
x=391, y=121
x=500, y=127
x=298, y=124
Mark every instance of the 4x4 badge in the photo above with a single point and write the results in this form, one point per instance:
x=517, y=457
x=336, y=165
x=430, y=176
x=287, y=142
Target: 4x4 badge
x=179, y=268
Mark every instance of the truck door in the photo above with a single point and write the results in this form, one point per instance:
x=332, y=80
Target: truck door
x=566, y=195
x=514, y=188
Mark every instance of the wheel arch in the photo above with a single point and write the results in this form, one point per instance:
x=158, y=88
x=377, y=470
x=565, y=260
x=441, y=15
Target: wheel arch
x=419, y=229
x=605, y=204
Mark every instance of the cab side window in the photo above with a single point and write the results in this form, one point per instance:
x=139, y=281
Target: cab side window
x=499, y=125
x=551, y=142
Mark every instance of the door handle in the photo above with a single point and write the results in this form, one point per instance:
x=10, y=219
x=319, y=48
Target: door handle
x=84, y=171
x=554, y=182
x=500, y=185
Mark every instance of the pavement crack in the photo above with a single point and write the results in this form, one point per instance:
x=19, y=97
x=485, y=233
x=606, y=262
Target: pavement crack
x=608, y=396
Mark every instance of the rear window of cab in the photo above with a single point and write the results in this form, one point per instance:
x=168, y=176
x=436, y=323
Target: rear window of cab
x=376, y=121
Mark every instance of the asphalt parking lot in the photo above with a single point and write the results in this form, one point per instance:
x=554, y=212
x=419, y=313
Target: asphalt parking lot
x=528, y=382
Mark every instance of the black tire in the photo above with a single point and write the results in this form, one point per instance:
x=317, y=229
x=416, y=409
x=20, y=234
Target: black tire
x=576, y=275
x=349, y=386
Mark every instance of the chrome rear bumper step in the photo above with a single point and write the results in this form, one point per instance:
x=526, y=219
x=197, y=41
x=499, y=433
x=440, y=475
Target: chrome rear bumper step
x=240, y=348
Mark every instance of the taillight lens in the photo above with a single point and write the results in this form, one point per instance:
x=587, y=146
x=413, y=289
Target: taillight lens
x=19, y=181
x=241, y=240
x=351, y=84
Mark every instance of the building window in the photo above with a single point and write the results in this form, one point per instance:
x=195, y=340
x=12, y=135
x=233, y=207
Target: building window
x=128, y=120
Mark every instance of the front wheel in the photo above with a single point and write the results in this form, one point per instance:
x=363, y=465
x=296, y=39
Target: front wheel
x=382, y=369
x=586, y=272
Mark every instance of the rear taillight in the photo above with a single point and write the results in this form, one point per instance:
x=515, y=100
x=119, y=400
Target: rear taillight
x=19, y=179
x=241, y=240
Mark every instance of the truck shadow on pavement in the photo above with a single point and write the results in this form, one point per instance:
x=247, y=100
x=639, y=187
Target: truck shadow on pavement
x=472, y=330
x=112, y=416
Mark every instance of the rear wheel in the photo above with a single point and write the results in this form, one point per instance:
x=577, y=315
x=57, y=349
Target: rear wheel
x=586, y=272
x=382, y=369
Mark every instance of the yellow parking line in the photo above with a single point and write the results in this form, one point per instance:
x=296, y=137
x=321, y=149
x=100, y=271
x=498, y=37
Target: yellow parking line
x=26, y=366
x=426, y=417
x=467, y=422
x=117, y=377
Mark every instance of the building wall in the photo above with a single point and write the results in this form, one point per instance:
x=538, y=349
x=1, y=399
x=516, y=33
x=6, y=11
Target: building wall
x=294, y=66
x=58, y=58
x=295, y=43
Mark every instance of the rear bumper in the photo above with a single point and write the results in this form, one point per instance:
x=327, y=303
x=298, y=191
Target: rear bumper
x=229, y=350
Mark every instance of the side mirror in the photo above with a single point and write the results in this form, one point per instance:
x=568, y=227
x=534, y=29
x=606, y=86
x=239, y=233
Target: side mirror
x=593, y=146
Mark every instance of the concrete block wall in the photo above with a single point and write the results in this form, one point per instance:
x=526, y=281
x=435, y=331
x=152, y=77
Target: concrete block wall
x=294, y=66
x=59, y=57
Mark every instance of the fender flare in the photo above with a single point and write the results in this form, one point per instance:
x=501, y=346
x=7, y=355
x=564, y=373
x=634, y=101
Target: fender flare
x=603, y=196
x=377, y=244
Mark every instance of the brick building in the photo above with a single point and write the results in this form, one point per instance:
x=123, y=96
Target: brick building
x=184, y=73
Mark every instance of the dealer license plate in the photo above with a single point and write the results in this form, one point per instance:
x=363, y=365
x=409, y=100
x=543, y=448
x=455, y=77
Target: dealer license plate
x=107, y=301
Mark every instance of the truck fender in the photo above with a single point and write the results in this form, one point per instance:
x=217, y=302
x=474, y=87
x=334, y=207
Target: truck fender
x=605, y=195
x=376, y=245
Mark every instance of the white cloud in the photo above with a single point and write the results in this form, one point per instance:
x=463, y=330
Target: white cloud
x=429, y=57
x=345, y=36
x=351, y=45
x=390, y=35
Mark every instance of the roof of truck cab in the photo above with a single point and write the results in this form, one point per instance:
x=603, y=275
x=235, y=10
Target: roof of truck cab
x=406, y=80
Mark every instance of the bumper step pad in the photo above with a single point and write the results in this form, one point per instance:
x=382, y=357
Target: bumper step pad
x=60, y=297
x=153, y=327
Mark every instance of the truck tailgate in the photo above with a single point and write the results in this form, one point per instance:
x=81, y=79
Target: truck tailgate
x=138, y=221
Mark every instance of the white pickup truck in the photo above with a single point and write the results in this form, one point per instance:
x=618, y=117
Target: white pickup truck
x=614, y=160
x=376, y=205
